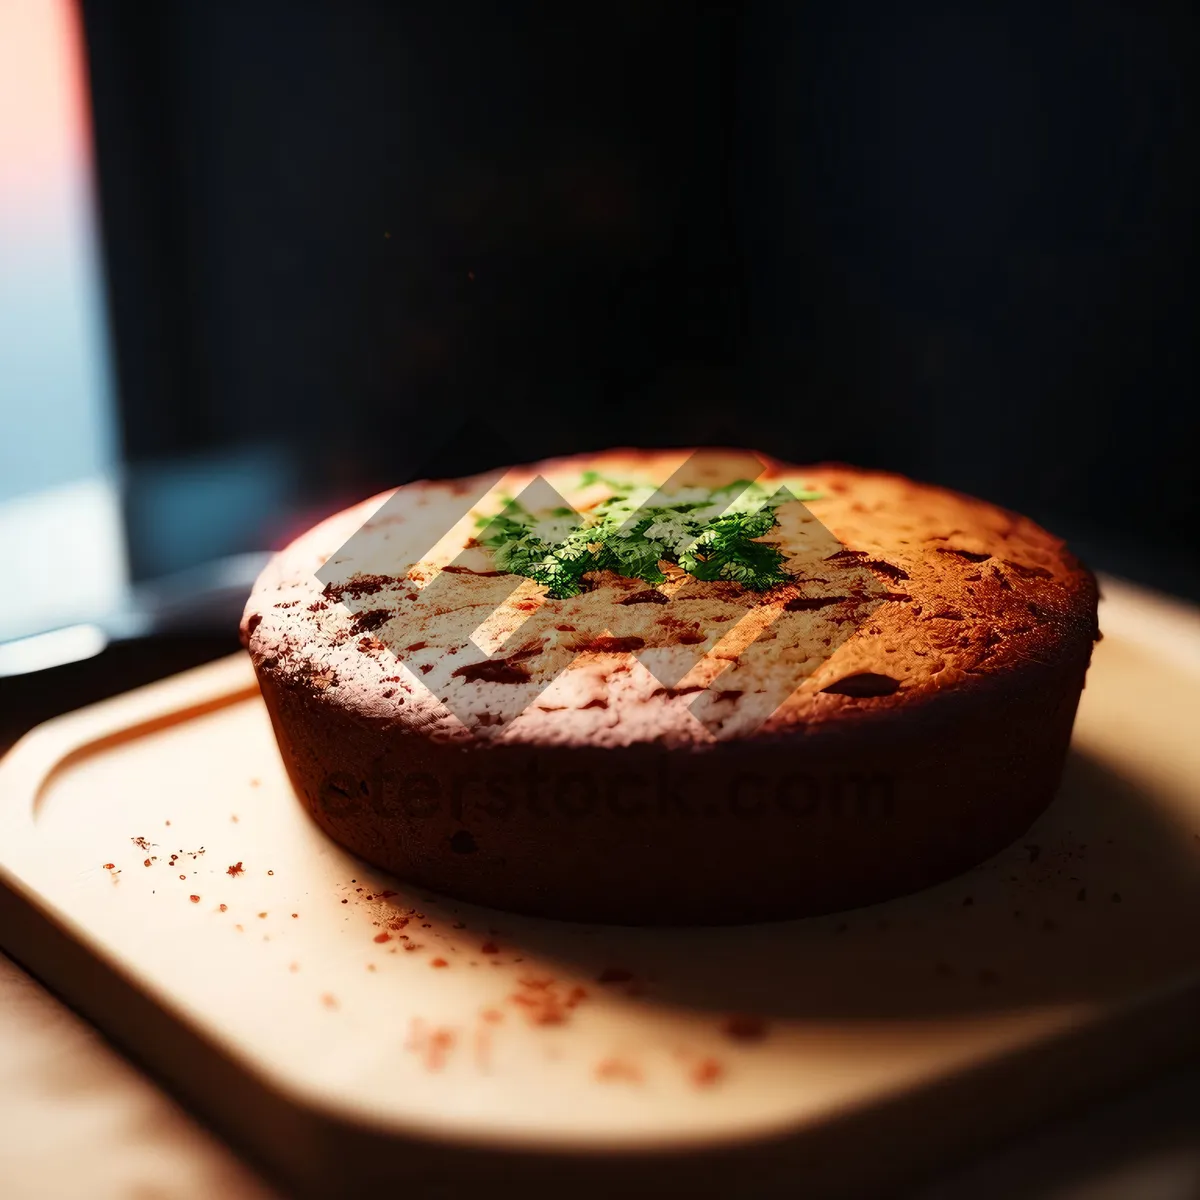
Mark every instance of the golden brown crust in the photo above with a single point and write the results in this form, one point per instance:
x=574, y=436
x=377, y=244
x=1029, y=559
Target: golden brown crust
x=939, y=592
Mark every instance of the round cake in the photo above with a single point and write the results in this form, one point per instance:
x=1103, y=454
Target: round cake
x=673, y=687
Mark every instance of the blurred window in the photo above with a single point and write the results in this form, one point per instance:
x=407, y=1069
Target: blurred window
x=62, y=551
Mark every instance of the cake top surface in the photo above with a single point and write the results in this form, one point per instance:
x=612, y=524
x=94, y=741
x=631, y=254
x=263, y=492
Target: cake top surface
x=886, y=594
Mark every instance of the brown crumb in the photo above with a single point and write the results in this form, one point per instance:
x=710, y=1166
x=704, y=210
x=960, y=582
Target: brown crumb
x=706, y=1072
x=543, y=1001
x=194, y=899
x=613, y=1069
x=434, y=1044
x=744, y=1028
x=439, y=962
x=483, y=1049
x=235, y=869
x=224, y=907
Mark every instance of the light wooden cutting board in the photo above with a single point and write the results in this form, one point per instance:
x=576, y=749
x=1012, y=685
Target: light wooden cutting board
x=345, y=1030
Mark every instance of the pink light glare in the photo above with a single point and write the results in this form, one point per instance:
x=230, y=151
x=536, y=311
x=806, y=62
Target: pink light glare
x=44, y=117
x=58, y=441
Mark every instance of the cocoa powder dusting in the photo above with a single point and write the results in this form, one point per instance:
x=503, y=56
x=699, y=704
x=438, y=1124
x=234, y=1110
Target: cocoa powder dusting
x=545, y=1001
x=359, y=586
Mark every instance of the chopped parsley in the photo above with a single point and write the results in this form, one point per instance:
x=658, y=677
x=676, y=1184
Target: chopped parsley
x=709, y=533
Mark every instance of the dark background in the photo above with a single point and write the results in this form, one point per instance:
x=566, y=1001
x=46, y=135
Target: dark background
x=353, y=241
x=363, y=241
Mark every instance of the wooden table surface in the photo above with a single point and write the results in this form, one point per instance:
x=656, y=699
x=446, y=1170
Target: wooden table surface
x=76, y=1118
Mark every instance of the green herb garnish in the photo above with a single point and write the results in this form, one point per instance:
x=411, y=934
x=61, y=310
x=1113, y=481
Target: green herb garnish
x=709, y=533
